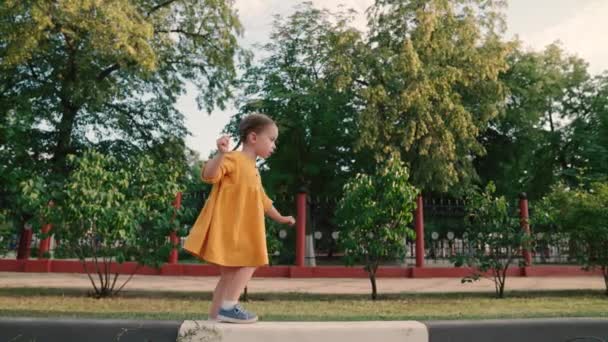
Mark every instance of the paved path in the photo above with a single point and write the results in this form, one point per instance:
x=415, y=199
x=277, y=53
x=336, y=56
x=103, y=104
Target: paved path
x=306, y=285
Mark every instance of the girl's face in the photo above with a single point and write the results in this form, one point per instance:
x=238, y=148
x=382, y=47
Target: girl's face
x=264, y=142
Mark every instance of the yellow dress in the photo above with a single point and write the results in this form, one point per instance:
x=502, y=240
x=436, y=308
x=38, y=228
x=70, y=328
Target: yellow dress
x=230, y=229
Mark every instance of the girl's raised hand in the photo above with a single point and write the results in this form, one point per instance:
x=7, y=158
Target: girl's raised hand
x=289, y=220
x=223, y=144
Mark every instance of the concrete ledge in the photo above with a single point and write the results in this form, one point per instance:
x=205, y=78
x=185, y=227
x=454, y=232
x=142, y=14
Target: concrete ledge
x=522, y=330
x=89, y=330
x=384, y=331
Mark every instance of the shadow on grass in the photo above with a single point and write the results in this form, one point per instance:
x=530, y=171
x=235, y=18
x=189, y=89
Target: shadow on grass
x=298, y=296
x=177, y=316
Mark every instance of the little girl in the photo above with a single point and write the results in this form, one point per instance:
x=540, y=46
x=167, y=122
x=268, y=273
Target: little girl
x=230, y=231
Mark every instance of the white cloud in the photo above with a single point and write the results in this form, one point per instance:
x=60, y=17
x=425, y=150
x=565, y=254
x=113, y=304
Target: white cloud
x=581, y=34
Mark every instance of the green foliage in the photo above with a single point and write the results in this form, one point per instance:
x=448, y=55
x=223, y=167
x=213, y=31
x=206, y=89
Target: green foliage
x=532, y=145
x=494, y=238
x=194, y=194
x=17, y=165
x=110, y=210
x=582, y=216
x=374, y=215
x=587, y=146
x=431, y=85
x=105, y=75
x=306, y=85
x=546, y=232
x=306, y=81
x=6, y=233
x=273, y=243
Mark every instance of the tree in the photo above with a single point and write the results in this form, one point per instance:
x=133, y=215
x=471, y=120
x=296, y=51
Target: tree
x=195, y=192
x=530, y=144
x=306, y=82
x=494, y=238
x=110, y=211
x=431, y=84
x=581, y=214
x=588, y=138
x=87, y=72
x=105, y=75
x=374, y=214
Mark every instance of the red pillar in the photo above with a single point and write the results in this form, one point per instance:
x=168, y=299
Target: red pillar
x=45, y=243
x=173, y=238
x=525, y=225
x=300, y=227
x=23, y=253
x=173, y=256
x=419, y=226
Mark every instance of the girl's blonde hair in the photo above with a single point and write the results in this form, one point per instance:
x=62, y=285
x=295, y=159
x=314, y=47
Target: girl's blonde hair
x=256, y=123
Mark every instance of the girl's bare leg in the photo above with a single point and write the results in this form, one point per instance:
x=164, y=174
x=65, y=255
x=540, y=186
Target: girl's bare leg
x=226, y=275
x=238, y=281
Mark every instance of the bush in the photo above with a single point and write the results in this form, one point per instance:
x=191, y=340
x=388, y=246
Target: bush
x=273, y=244
x=582, y=216
x=111, y=211
x=374, y=215
x=494, y=238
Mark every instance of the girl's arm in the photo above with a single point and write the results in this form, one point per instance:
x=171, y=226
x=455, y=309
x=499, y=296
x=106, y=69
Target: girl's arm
x=212, y=166
x=274, y=214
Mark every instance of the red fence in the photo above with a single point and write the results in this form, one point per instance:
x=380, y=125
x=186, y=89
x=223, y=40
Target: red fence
x=430, y=260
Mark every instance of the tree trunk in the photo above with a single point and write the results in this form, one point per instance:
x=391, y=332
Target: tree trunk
x=501, y=293
x=126, y=281
x=372, y=279
x=503, y=281
x=64, y=137
x=496, y=279
x=551, y=125
x=69, y=109
x=373, y=269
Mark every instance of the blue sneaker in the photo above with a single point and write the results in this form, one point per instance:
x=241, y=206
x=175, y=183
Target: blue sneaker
x=237, y=314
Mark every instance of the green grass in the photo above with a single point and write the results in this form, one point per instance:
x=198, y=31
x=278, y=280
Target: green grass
x=17, y=302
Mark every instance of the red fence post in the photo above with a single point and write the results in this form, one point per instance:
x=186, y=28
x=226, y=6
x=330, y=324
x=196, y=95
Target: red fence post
x=45, y=244
x=173, y=255
x=300, y=227
x=419, y=224
x=173, y=238
x=525, y=225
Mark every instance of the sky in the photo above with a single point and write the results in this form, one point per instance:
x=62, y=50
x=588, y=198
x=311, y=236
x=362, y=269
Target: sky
x=580, y=26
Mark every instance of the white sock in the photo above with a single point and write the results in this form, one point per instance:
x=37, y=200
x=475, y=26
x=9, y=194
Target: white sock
x=228, y=304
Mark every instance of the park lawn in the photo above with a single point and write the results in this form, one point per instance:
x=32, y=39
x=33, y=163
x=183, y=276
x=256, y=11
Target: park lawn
x=305, y=307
